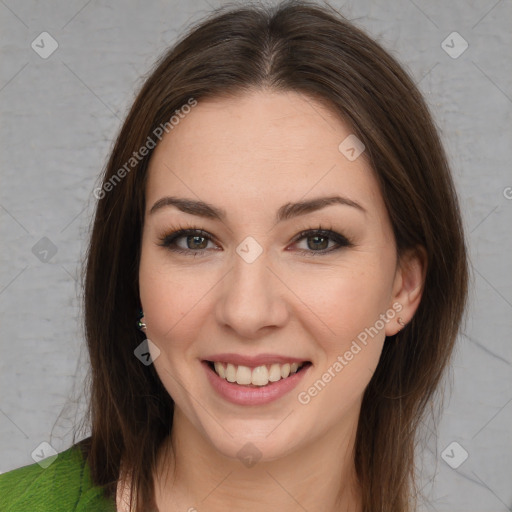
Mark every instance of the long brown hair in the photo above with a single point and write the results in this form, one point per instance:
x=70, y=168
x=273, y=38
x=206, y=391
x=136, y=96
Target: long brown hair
x=303, y=47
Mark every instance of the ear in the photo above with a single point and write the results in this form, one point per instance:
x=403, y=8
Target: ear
x=408, y=287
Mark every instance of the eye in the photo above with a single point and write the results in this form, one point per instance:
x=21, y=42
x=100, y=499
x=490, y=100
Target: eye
x=187, y=241
x=321, y=241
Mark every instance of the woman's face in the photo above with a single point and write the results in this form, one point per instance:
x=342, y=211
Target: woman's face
x=250, y=289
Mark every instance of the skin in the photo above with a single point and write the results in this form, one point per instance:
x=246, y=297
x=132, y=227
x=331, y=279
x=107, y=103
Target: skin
x=250, y=155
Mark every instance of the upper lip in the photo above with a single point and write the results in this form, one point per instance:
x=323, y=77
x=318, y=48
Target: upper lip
x=253, y=361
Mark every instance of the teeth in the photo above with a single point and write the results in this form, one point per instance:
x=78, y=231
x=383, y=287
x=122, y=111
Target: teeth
x=275, y=373
x=259, y=376
x=220, y=370
x=243, y=375
x=230, y=373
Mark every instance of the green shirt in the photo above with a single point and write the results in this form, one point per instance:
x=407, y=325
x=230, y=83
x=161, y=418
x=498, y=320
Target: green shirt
x=64, y=486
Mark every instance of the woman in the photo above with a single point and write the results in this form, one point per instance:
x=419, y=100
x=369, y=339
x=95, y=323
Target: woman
x=274, y=283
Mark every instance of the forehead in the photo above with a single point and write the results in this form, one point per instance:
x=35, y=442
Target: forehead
x=256, y=150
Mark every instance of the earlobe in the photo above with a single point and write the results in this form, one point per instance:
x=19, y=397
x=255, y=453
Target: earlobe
x=408, y=287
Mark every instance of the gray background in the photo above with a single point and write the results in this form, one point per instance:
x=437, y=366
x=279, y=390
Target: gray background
x=59, y=118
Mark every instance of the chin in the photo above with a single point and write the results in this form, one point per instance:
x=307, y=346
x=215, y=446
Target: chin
x=253, y=440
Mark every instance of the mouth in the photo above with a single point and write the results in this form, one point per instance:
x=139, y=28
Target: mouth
x=258, y=376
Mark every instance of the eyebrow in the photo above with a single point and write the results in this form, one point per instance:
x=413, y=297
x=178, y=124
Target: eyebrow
x=285, y=212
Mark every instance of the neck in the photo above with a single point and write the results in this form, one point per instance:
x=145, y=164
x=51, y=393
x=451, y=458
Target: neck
x=193, y=475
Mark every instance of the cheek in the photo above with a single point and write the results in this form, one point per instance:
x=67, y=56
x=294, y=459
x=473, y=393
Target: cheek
x=344, y=301
x=171, y=304
x=173, y=300
x=350, y=303
x=162, y=296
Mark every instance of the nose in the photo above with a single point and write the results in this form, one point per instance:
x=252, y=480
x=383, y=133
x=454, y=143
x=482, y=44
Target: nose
x=253, y=299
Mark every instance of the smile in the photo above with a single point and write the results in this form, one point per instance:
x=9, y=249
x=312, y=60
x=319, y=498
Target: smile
x=254, y=381
x=257, y=376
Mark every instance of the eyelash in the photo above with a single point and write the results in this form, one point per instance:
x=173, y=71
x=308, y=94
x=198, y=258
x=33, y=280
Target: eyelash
x=168, y=240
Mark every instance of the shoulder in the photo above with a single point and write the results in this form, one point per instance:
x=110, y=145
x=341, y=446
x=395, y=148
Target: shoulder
x=63, y=485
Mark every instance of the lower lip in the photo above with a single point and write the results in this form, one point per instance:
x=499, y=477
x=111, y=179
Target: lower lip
x=244, y=395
